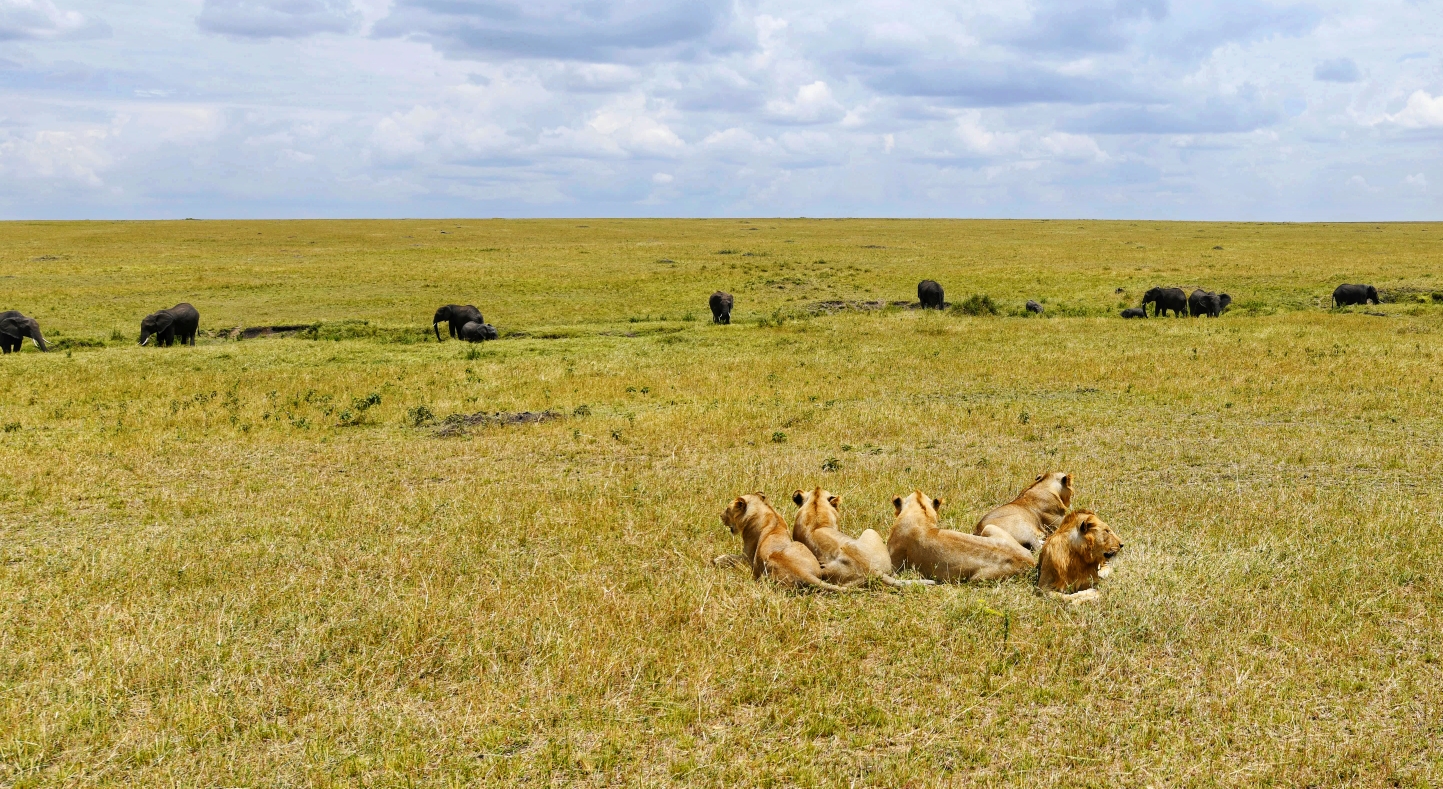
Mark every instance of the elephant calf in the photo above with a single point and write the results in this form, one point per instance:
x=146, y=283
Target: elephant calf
x=455, y=316
x=1034, y=307
x=721, y=307
x=14, y=328
x=929, y=293
x=1355, y=294
x=181, y=321
x=477, y=332
x=1134, y=312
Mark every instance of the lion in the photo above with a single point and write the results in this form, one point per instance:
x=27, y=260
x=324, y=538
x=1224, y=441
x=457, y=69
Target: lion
x=1075, y=557
x=845, y=561
x=1035, y=512
x=947, y=555
x=768, y=546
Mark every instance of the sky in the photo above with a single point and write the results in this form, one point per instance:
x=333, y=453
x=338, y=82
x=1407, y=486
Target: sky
x=1139, y=109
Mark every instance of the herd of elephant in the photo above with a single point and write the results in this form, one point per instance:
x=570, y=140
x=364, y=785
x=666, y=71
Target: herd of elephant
x=464, y=322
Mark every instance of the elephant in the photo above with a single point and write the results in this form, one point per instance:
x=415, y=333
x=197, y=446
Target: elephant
x=1203, y=302
x=182, y=320
x=473, y=331
x=929, y=293
x=455, y=317
x=1034, y=307
x=1355, y=294
x=1164, y=299
x=14, y=328
x=1134, y=312
x=721, y=307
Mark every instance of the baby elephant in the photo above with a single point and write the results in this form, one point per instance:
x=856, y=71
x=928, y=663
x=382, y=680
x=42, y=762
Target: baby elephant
x=477, y=332
x=181, y=321
x=1033, y=307
x=1135, y=312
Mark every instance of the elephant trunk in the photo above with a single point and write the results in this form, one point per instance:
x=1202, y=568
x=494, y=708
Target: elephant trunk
x=437, y=327
x=145, y=337
x=39, y=341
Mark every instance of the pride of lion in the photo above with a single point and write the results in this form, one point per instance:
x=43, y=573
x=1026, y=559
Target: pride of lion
x=1073, y=546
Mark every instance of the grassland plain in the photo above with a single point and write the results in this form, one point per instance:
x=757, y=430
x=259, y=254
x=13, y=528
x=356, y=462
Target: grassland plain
x=256, y=563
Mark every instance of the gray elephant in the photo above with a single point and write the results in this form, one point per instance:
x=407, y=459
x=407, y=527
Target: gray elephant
x=1033, y=307
x=14, y=328
x=455, y=316
x=165, y=326
x=477, y=332
x=929, y=293
x=1164, y=299
x=1344, y=295
x=1134, y=312
x=721, y=307
x=1203, y=302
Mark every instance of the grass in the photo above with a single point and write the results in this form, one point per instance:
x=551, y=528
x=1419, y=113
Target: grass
x=260, y=562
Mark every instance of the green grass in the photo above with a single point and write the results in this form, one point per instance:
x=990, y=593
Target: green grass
x=244, y=564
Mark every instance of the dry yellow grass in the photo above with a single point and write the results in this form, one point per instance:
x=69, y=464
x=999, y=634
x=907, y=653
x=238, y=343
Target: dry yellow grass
x=232, y=566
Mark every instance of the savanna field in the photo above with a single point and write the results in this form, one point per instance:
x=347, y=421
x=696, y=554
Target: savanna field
x=286, y=560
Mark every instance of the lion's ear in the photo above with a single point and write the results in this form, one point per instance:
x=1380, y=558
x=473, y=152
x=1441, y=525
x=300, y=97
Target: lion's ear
x=740, y=505
x=1084, y=525
x=797, y=497
x=937, y=504
x=762, y=496
x=897, y=503
x=836, y=502
x=1039, y=477
x=1066, y=480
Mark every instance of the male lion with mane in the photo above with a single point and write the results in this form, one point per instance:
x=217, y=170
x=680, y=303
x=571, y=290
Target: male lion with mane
x=947, y=555
x=1075, y=557
x=845, y=560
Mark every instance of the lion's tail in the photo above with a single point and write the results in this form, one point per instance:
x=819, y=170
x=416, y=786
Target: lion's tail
x=897, y=583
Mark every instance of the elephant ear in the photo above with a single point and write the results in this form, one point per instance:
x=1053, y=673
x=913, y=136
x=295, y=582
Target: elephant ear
x=163, y=320
x=11, y=328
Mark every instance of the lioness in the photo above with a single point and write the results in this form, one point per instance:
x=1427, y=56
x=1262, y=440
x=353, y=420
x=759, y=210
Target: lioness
x=768, y=545
x=845, y=561
x=947, y=555
x=1035, y=512
x=1075, y=557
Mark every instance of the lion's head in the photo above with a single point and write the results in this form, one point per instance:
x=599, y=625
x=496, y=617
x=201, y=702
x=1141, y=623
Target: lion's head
x=927, y=505
x=735, y=516
x=1094, y=538
x=1058, y=483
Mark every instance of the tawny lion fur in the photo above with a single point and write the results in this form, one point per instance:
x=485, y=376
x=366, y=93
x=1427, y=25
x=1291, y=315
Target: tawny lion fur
x=947, y=555
x=1035, y=512
x=768, y=546
x=846, y=561
x=1075, y=557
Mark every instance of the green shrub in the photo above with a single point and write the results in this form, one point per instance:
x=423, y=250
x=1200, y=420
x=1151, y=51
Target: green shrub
x=977, y=304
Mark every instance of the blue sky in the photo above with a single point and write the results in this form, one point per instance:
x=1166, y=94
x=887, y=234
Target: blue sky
x=376, y=108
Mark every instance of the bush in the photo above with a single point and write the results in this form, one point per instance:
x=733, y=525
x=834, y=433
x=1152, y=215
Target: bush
x=420, y=415
x=977, y=304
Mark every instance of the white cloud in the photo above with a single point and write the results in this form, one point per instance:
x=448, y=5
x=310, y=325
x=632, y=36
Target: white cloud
x=42, y=19
x=1422, y=112
x=812, y=103
x=1418, y=181
x=278, y=18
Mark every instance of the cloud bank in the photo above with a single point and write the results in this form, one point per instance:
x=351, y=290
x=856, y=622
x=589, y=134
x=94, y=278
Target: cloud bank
x=1241, y=109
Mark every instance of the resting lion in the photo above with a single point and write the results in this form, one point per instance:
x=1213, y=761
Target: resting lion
x=845, y=561
x=768, y=546
x=1075, y=557
x=1035, y=512
x=947, y=555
